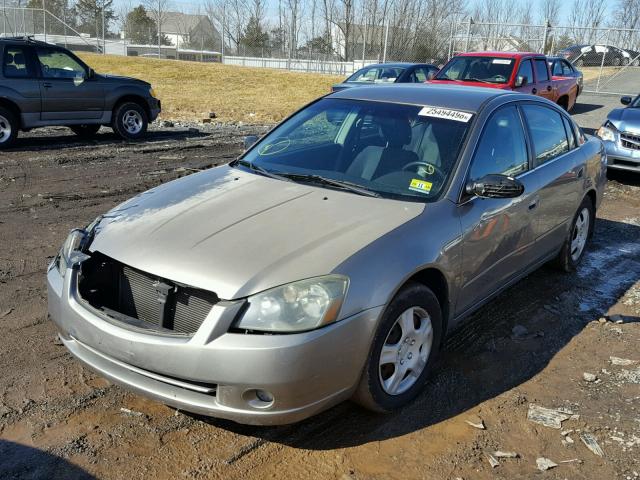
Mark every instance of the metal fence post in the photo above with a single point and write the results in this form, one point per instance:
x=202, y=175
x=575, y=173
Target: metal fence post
x=44, y=19
x=364, y=43
x=386, y=40
x=4, y=18
x=545, y=36
x=468, y=39
x=604, y=55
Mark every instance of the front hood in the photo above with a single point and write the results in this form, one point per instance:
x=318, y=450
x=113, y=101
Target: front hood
x=502, y=86
x=236, y=233
x=625, y=119
x=120, y=79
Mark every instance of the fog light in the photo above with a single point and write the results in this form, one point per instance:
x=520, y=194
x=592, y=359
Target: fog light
x=264, y=396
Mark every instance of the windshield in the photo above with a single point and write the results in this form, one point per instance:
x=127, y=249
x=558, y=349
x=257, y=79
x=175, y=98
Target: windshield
x=478, y=69
x=377, y=75
x=384, y=149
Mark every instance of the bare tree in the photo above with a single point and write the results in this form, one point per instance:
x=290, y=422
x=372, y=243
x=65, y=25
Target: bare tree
x=549, y=11
x=158, y=10
x=586, y=17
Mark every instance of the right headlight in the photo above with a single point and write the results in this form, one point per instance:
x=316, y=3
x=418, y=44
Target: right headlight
x=296, y=307
x=607, y=132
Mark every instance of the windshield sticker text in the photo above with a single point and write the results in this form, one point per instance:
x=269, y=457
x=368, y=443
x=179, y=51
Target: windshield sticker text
x=445, y=113
x=421, y=186
x=502, y=61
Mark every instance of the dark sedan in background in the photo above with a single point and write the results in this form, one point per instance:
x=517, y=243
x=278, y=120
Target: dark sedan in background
x=383, y=73
x=592, y=55
x=561, y=68
x=621, y=135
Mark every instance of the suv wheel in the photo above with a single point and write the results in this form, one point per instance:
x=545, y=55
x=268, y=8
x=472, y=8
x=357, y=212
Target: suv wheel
x=8, y=128
x=85, y=131
x=404, y=349
x=130, y=121
x=577, y=238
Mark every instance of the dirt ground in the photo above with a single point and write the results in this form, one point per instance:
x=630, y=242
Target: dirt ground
x=532, y=345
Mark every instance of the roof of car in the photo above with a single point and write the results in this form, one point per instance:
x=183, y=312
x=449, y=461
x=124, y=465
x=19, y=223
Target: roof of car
x=23, y=41
x=499, y=54
x=395, y=64
x=457, y=97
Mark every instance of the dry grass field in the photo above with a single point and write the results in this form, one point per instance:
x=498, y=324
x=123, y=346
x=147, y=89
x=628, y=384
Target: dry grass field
x=190, y=90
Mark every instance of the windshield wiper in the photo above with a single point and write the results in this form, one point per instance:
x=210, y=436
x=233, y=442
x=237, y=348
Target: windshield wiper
x=473, y=79
x=259, y=169
x=342, y=184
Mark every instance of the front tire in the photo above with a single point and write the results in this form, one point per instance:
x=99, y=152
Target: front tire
x=8, y=128
x=404, y=350
x=85, y=131
x=130, y=121
x=581, y=231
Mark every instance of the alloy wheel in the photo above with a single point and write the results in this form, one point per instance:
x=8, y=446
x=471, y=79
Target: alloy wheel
x=580, y=234
x=5, y=129
x=132, y=122
x=405, y=351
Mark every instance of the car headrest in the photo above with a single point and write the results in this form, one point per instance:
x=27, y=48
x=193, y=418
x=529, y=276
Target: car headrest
x=396, y=130
x=18, y=59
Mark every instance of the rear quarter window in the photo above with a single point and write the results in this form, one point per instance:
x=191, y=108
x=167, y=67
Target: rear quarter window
x=15, y=64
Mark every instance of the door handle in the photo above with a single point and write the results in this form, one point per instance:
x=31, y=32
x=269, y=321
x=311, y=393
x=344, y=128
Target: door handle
x=534, y=91
x=548, y=88
x=533, y=204
x=47, y=85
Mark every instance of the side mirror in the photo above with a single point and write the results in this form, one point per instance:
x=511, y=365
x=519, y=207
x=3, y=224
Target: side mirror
x=495, y=186
x=626, y=100
x=521, y=81
x=249, y=141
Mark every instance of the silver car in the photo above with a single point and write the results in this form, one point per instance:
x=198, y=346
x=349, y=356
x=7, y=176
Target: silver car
x=621, y=136
x=330, y=260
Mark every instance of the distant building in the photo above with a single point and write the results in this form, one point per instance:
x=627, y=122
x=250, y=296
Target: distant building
x=183, y=29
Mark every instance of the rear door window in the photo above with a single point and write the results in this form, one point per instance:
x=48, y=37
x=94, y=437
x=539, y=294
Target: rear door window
x=557, y=69
x=15, y=64
x=502, y=148
x=542, y=74
x=548, y=133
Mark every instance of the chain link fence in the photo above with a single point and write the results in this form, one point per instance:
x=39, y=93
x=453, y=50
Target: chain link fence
x=609, y=58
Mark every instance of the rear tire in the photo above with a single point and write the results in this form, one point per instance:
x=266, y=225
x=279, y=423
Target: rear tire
x=576, y=242
x=8, y=128
x=85, y=131
x=404, y=350
x=130, y=121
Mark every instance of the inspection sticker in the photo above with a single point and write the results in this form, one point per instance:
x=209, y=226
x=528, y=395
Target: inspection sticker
x=437, y=112
x=420, y=186
x=502, y=61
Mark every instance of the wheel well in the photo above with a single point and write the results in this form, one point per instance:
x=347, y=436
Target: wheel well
x=436, y=281
x=591, y=194
x=9, y=105
x=135, y=99
x=563, y=101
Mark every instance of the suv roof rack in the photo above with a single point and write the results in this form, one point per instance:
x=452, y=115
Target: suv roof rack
x=25, y=38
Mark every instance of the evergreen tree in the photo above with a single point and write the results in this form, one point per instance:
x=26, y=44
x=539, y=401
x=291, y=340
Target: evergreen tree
x=89, y=14
x=140, y=28
x=254, y=40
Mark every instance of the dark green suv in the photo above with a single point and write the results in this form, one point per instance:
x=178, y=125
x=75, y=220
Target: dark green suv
x=43, y=85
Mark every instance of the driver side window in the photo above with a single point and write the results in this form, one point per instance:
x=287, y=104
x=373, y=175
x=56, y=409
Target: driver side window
x=502, y=148
x=58, y=64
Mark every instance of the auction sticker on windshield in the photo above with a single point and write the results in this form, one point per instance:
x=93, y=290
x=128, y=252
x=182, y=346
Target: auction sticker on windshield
x=420, y=186
x=437, y=112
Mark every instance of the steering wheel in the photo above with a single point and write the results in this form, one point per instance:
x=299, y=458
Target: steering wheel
x=429, y=167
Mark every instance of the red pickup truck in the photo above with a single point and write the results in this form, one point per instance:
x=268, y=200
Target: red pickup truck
x=522, y=72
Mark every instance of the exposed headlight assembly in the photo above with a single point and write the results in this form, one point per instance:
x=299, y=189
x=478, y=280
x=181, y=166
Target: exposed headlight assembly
x=607, y=132
x=77, y=241
x=297, y=306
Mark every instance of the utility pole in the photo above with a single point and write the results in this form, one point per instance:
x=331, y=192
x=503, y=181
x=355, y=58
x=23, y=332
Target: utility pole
x=104, y=41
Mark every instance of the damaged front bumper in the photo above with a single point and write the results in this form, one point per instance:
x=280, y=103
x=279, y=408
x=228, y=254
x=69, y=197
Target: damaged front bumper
x=249, y=378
